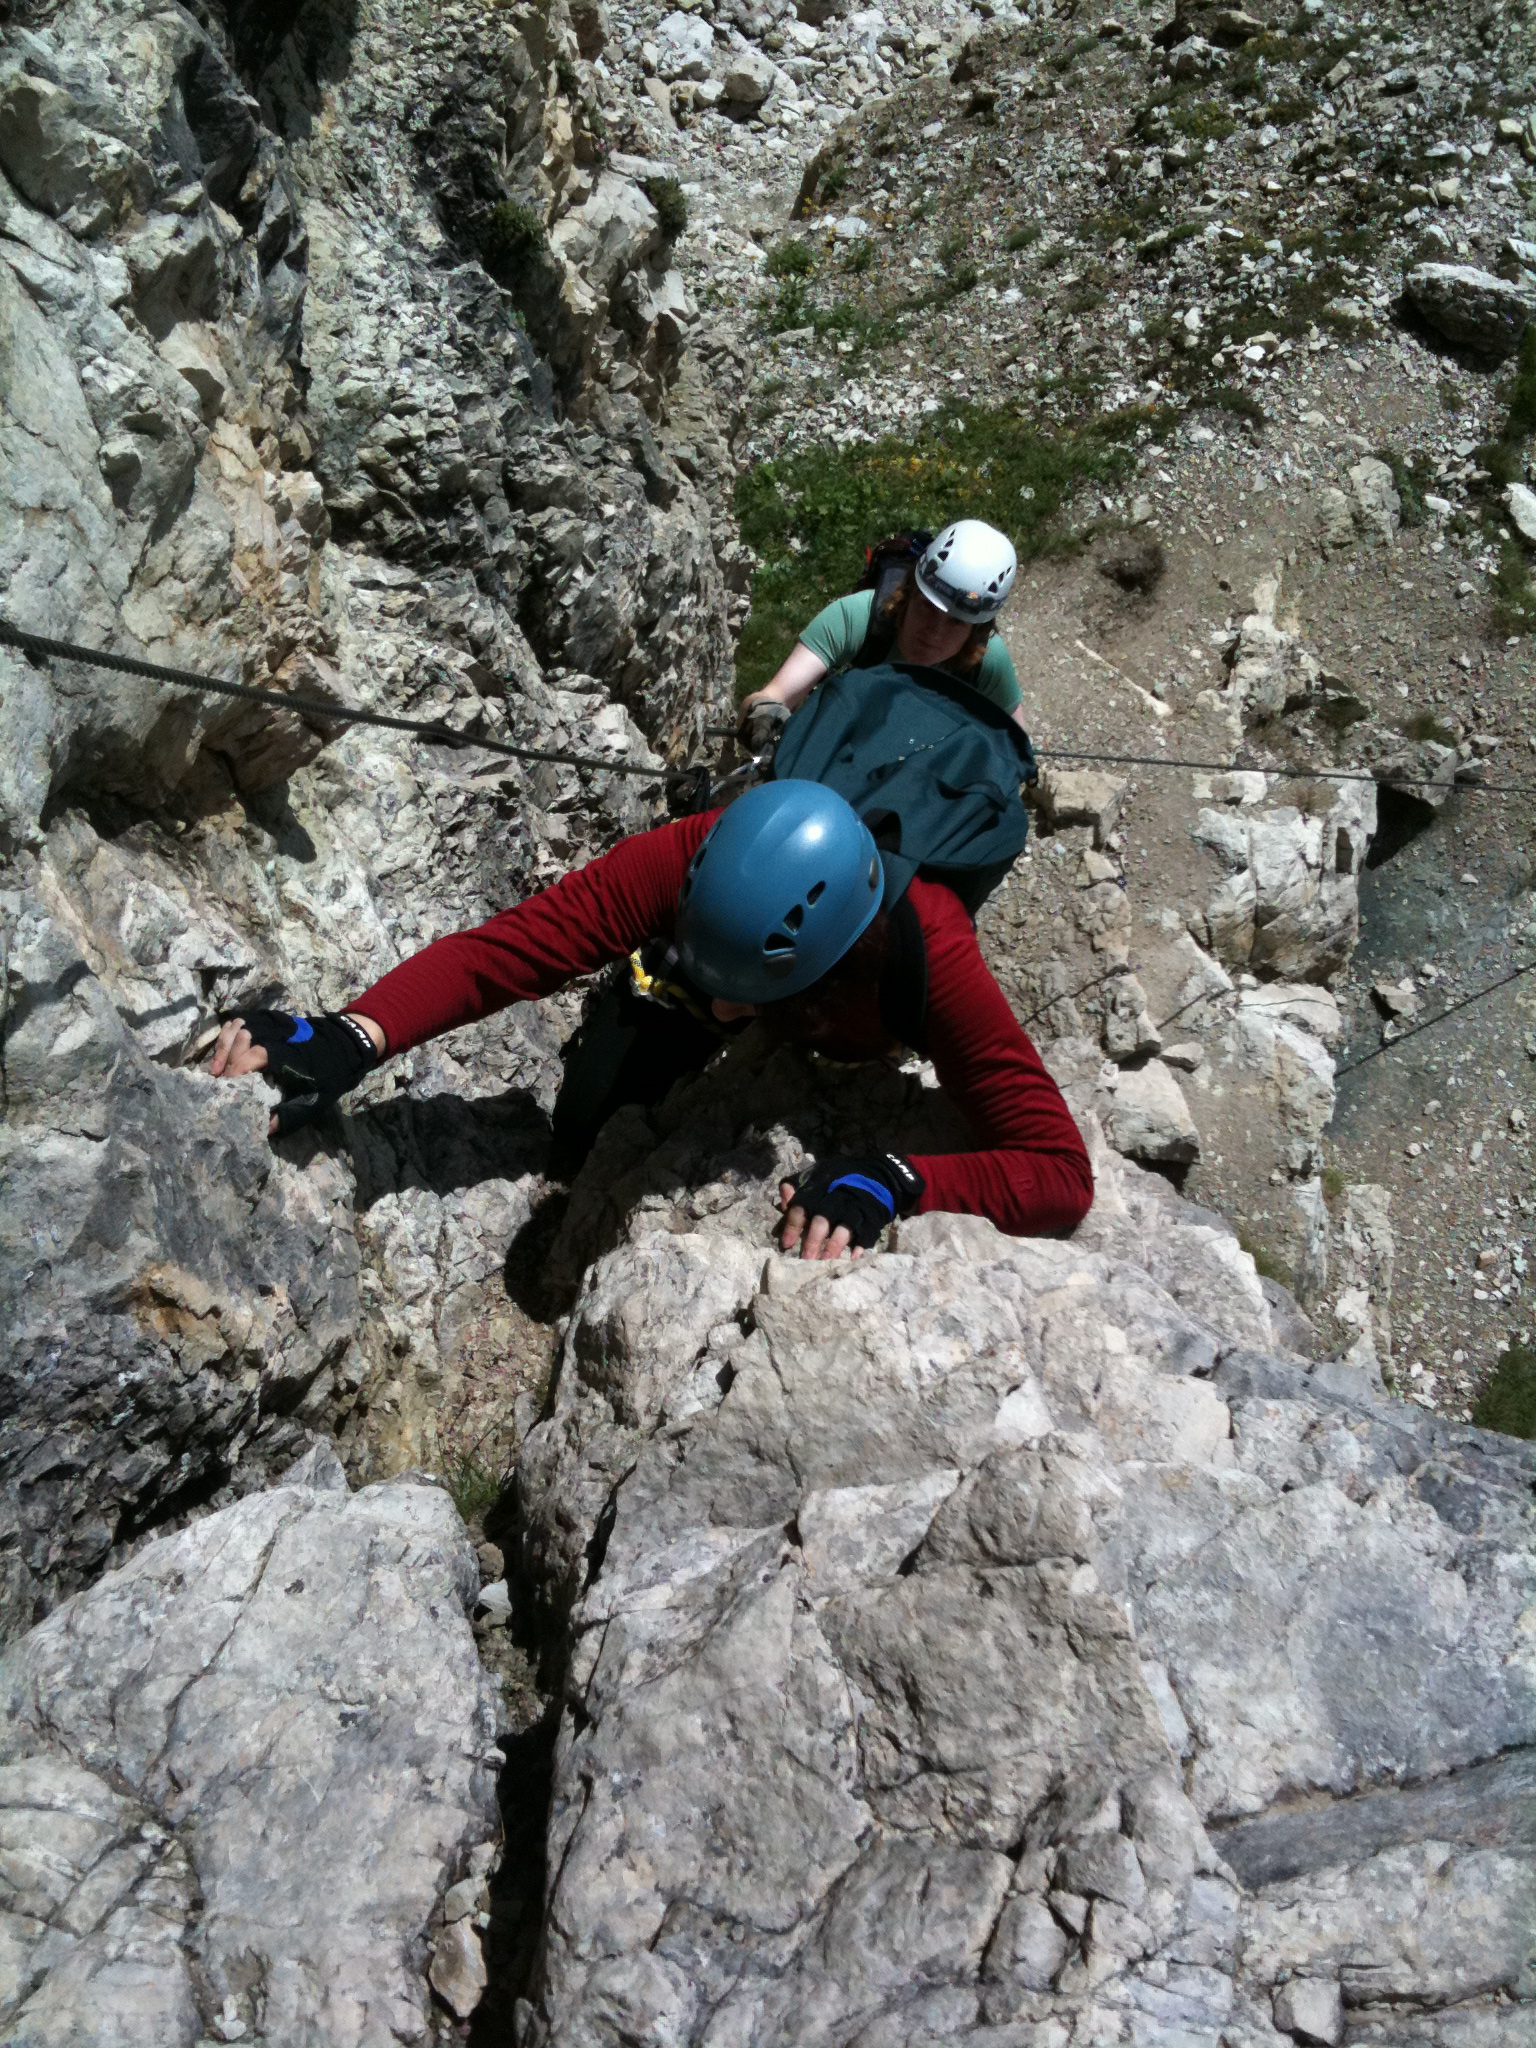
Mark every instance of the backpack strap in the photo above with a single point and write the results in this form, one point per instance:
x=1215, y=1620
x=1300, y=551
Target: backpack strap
x=904, y=978
x=885, y=568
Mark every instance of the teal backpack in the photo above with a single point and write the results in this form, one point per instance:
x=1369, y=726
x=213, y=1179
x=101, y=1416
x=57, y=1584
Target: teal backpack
x=931, y=766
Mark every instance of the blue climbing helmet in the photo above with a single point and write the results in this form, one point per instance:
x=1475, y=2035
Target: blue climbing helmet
x=784, y=884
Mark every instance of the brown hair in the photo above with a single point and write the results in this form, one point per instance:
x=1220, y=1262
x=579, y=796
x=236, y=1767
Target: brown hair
x=968, y=661
x=812, y=1017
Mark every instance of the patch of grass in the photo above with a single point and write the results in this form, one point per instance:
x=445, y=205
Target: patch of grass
x=1266, y=1263
x=809, y=516
x=793, y=258
x=1503, y=460
x=1451, y=396
x=1230, y=398
x=1055, y=255
x=473, y=1488
x=514, y=236
x=1288, y=109
x=1079, y=46
x=1513, y=590
x=1413, y=476
x=953, y=247
x=671, y=204
x=1508, y=1402
x=832, y=181
x=1423, y=725
x=1202, y=120
x=789, y=307
x=1022, y=237
x=860, y=258
x=1333, y=1186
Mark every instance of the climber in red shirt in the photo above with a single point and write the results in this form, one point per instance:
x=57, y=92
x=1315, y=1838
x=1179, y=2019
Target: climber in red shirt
x=772, y=908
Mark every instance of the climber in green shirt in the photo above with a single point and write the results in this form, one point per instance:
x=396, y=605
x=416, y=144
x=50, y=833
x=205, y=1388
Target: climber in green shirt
x=938, y=611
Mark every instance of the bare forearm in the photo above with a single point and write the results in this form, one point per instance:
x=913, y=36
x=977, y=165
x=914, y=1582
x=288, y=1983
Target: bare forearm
x=794, y=681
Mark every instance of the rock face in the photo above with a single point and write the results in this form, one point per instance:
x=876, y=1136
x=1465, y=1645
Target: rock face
x=265, y=412
x=971, y=1644
x=1291, y=904
x=237, y=1777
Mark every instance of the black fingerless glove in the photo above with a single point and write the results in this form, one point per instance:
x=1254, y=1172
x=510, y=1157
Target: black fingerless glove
x=312, y=1059
x=860, y=1194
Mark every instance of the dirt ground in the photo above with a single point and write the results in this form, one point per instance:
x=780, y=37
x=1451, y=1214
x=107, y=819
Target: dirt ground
x=1443, y=1121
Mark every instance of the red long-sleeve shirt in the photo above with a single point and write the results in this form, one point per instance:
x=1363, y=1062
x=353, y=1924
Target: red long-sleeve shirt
x=1030, y=1174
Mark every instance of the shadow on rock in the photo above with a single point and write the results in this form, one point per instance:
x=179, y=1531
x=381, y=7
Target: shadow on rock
x=444, y=1142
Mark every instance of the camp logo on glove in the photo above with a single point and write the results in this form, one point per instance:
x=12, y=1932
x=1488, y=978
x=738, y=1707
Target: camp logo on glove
x=314, y=1060
x=860, y=1195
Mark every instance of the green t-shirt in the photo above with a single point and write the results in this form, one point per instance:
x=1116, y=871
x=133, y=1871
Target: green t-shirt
x=837, y=633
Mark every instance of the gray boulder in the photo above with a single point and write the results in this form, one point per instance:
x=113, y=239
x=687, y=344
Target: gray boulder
x=1470, y=308
x=750, y=79
x=238, y=1776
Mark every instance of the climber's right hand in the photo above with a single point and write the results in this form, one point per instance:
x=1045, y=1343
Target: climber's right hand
x=314, y=1060
x=761, y=723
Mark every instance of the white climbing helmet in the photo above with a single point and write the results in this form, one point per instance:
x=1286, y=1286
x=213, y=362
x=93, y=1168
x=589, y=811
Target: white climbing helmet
x=968, y=571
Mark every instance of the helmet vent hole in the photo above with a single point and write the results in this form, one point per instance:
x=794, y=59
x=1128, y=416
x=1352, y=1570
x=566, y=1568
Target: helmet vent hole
x=795, y=919
x=777, y=944
x=813, y=894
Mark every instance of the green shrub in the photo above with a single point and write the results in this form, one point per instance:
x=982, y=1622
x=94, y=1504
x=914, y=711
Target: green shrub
x=1508, y=1402
x=671, y=205
x=1022, y=237
x=790, y=309
x=514, y=236
x=1202, y=120
x=832, y=180
x=473, y=1488
x=790, y=259
x=1423, y=725
x=1078, y=47
x=810, y=515
x=1230, y=398
x=1514, y=593
x=1288, y=109
x=1412, y=478
x=861, y=257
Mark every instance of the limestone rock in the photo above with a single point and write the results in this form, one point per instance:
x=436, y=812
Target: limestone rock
x=750, y=79
x=1335, y=521
x=1085, y=796
x=241, y=1772
x=1290, y=906
x=1146, y=1117
x=161, y=1325
x=1310, y=2009
x=1270, y=671
x=905, y=1562
x=686, y=45
x=1521, y=501
x=1470, y=308
x=1378, y=508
